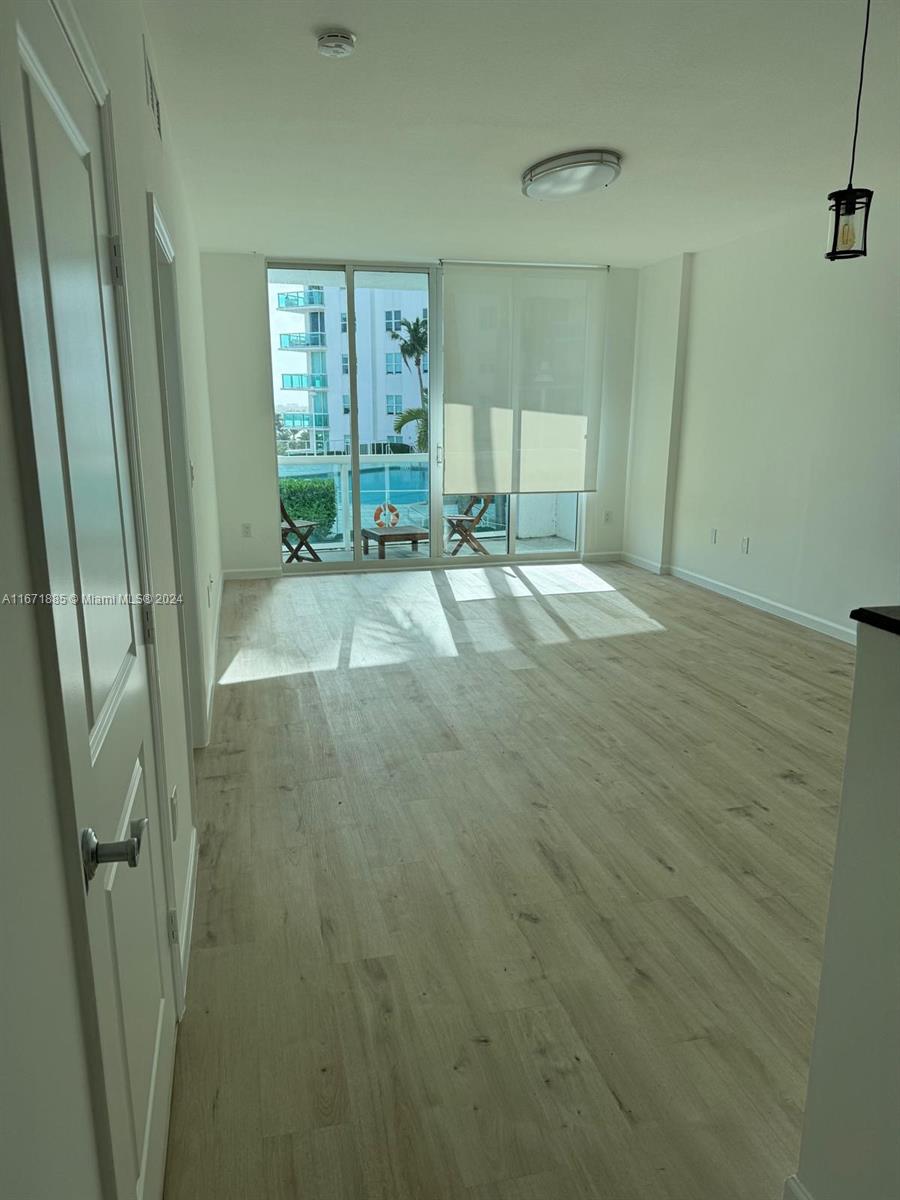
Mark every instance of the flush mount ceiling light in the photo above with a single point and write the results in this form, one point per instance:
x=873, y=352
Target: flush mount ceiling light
x=571, y=174
x=337, y=43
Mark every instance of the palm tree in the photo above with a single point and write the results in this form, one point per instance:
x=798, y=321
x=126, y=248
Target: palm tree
x=413, y=339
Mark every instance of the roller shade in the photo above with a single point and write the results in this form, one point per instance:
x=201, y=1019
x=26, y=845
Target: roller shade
x=523, y=357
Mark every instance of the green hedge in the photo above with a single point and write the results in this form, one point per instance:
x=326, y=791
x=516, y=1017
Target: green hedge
x=310, y=500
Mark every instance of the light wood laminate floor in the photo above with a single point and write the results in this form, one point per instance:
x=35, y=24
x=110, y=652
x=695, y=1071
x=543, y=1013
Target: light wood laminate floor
x=512, y=887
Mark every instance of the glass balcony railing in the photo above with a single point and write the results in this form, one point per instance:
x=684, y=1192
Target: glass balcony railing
x=294, y=383
x=304, y=298
x=301, y=341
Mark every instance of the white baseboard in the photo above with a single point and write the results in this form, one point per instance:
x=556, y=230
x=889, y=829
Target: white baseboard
x=647, y=564
x=253, y=573
x=794, y=1190
x=603, y=556
x=819, y=624
x=186, y=932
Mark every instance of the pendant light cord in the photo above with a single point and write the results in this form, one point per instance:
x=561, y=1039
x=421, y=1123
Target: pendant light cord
x=862, y=69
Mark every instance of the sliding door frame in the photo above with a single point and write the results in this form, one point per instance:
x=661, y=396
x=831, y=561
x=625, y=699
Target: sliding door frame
x=436, y=540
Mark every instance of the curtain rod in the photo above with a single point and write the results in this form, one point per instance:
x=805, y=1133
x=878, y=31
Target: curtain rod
x=486, y=262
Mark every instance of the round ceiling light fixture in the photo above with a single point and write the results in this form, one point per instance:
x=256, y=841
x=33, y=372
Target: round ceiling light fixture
x=571, y=174
x=337, y=43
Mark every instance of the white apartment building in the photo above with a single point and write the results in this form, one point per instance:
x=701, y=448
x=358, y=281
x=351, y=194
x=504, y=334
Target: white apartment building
x=311, y=363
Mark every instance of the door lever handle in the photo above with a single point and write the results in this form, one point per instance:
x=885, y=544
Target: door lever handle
x=94, y=853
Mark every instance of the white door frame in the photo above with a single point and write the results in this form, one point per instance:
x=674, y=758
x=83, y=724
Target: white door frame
x=40, y=556
x=179, y=480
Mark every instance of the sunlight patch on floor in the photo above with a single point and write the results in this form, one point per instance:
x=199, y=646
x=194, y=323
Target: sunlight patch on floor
x=400, y=632
x=262, y=662
x=413, y=616
x=552, y=579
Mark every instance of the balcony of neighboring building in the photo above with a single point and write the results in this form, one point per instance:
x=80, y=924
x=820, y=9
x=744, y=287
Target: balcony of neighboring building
x=308, y=339
x=311, y=297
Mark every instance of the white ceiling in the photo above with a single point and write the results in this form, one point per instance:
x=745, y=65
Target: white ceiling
x=729, y=115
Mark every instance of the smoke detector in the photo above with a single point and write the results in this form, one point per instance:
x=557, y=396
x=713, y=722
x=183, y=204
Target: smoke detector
x=336, y=44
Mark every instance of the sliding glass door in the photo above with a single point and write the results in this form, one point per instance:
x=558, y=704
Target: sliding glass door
x=358, y=426
x=351, y=372
x=392, y=406
x=313, y=435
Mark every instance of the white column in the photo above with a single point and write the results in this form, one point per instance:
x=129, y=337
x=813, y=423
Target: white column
x=851, y=1136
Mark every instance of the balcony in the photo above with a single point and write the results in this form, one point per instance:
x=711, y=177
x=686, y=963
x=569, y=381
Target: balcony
x=305, y=298
x=301, y=341
x=302, y=383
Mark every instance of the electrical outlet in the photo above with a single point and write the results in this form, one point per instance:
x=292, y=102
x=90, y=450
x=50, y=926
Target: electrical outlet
x=607, y=516
x=713, y=536
x=246, y=529
x=745, y=545
x=173, y=807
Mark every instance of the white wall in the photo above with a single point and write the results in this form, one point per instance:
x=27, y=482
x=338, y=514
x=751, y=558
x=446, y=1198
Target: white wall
x=655, y=404
x=602, y=536
x=240, y=388
x=791, y=421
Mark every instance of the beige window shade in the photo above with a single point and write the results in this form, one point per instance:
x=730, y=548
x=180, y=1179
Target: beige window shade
x=523, y=357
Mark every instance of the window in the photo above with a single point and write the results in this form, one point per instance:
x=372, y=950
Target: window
x=394, y=439
x=424, y=314
x=392, y=320
x=394, y=405
x=318, y=362
x=346, y=443
x=320, y=409
x=343, y=322
x=321, y=442
x=345, y=366
x=297, y=420
x=393, y=363
x=290, y=382
x=424, y=364
x=316, y=322
x=346, y=403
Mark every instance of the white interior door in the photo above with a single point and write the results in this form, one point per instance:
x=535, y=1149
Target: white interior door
x=179, y=476
x=65, y=284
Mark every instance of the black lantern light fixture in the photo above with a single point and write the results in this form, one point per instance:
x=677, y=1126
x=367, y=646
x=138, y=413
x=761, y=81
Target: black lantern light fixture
x=850, y=206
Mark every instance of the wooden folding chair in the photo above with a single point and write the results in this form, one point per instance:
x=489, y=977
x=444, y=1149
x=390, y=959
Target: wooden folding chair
x=302, y=531
x=464, y=525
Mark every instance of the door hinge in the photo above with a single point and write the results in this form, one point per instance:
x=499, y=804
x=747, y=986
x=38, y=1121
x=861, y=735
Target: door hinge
x=172, y=922
x=115, y=260
x=147, y=623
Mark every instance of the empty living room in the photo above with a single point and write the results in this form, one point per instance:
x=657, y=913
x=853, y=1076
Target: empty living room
x=450, y=599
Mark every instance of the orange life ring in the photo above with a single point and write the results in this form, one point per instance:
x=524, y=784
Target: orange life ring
x=391, y=509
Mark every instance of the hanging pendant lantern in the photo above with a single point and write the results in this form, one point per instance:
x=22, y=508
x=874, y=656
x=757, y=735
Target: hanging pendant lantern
x=850, y=206
x=850, y=217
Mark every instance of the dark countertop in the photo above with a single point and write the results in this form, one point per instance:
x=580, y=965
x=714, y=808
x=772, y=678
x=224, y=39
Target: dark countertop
x=882, y=618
